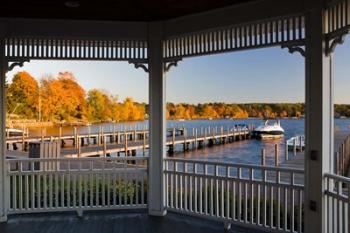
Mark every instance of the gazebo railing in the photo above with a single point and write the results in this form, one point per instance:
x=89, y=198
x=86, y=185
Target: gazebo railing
x=337, y=203
x=259, y=196
x=62, y=184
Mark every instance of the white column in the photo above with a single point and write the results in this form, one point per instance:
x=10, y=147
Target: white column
x=157, y=122
x=319, y=120
x=3, y=199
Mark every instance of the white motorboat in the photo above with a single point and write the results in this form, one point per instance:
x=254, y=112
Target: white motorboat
x=269, y=130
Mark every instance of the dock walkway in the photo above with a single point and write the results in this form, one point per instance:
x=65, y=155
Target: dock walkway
x=298, y=161
x=129, y=147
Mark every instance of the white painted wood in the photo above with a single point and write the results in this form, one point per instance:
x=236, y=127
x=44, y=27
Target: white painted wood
x=319, y=119
x=66, y=187
x=4, y=188
x=240, y=186
x=278, y=31
x=157, y=121
x=237, y=14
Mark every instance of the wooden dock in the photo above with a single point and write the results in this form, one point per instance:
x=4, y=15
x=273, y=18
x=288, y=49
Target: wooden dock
x=131, y=142
x=13, y=143
x=341, y=141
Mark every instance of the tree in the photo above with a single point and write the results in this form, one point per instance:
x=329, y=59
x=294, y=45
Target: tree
x=22, y=95
x=98, y=105
x=62, y=99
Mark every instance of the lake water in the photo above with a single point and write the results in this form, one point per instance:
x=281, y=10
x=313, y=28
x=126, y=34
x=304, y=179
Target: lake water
x=248, y=151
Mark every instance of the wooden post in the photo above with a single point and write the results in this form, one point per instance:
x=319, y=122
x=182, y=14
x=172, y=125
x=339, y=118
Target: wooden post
x=4, y=181
x=173, y=137
x=78, y=146
x=318, y=117
x=233, y=133
x=60, y=135
x=185, y=136
x=286, y=152
x=113, y=137
x=42, y=134
x=144, y=142
x=157, y=120
x=222, y=134
x=89, y=132
x=263, y=157
x=135, y=138
x=228, y=134
x=276, y=156
x=75, y=137
x=295, y=146
x=196, y=138
x=126, y=143
x=102, y=135
x=23, y=132
x=104, y=147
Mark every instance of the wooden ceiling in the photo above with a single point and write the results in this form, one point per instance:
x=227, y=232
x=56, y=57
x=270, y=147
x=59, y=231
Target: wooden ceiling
x=113, y=10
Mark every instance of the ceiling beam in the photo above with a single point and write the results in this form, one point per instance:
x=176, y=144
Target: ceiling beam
x=73, y=29
x=228, y=16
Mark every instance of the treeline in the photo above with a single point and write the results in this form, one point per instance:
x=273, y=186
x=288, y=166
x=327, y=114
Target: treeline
x=62, y=99
x=259, y=110
x=224, y=110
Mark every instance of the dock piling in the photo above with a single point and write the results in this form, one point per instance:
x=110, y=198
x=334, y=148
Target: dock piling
x=263, y=157
x=276, y=156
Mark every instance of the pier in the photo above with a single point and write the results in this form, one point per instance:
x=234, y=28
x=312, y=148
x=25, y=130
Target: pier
x=129, y=142
x=341, y=155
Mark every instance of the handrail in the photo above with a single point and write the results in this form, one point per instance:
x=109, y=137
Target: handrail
x=78, y=159
x=251, y=166
x=338, y=178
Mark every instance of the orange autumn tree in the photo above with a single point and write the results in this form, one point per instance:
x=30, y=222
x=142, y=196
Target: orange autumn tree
x=22, y=95
x=62, y=99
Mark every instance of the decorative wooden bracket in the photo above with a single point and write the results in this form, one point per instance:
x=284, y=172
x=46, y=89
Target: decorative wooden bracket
x=11, y=64
x=292, y=48
x=168, y=64
x=140, y=64
x=336, y=39
x=144, y=64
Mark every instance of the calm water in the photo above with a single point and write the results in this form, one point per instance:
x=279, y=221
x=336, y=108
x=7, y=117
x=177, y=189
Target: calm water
x=248, y=151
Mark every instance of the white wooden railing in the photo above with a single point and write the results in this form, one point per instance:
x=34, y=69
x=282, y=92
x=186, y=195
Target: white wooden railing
x=250, y=195
x=258, y=196
x=337, y=203
x=43, y=185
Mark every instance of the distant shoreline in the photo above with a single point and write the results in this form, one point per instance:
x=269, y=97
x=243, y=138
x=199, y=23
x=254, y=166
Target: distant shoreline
x=26, y=123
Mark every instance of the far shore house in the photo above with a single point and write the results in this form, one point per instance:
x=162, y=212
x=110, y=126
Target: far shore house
x=175, y=195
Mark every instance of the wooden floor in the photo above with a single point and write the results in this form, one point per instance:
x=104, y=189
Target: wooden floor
x=114, y=222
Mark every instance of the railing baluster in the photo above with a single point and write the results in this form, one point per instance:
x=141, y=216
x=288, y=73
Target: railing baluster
x=227, y=182
x=195, y=188
x=186, y=185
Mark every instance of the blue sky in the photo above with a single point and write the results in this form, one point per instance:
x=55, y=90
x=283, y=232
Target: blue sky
x=261, y=75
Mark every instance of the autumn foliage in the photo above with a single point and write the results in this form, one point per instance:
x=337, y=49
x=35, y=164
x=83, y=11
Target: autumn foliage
x=62, y=99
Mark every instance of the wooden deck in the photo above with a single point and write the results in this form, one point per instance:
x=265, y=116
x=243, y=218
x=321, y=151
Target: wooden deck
x=114, y=222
